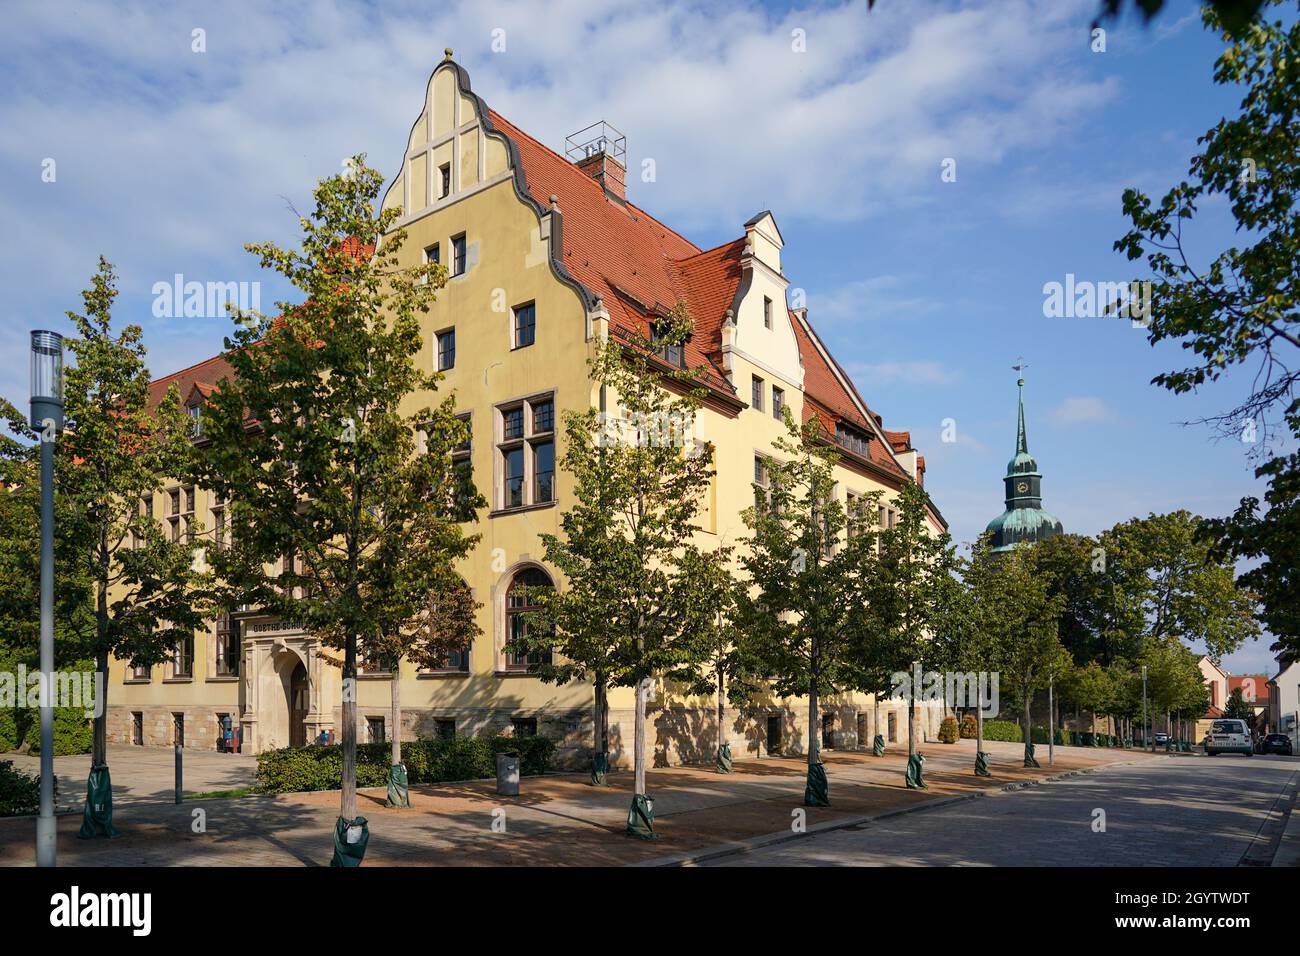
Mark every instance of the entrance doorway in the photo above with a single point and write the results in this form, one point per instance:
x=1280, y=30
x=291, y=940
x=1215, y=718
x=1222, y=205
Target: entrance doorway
x=774, y=734
x=298, y=707
x=828, y=731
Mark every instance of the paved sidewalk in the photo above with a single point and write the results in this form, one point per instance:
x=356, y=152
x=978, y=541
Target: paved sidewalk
x=558, y=819
x=144, y=774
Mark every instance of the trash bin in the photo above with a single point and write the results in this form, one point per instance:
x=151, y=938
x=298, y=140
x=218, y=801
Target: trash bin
x=508, y=773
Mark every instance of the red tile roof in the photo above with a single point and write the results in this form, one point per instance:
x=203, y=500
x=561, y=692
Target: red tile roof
x=1259, y=682
x=205, y=376
x=640, y=268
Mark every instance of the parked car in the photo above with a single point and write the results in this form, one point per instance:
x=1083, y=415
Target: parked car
x=1162, y=738
x=1277, y=744
x=1229, y=736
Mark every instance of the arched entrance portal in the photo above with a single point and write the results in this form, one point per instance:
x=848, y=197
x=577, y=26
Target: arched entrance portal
x=298, y=701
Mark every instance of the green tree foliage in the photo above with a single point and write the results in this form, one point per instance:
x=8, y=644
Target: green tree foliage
x=1181, y=587
x=1018, y=620
x=315, y=441
x=1237, y=707
x=913, y=594
x=804, y=615
x=147, y=593
x=630, y=607
x=1239, y=308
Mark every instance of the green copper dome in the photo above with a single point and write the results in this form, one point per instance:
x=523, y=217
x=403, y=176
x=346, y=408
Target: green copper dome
x=1024, y=520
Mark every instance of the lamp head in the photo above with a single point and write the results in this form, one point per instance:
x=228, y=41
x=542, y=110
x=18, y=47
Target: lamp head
x=47, y=379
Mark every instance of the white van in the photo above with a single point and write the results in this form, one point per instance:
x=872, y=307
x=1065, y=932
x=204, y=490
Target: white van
x=1229, y=736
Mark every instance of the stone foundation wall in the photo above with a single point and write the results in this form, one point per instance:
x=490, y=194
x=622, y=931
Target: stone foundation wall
x=675, y=735
x=158, y=726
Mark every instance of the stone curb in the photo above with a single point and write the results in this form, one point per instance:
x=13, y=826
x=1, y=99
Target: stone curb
x=694, y=857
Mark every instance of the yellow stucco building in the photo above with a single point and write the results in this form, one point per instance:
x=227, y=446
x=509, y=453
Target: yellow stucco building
x=546, y=254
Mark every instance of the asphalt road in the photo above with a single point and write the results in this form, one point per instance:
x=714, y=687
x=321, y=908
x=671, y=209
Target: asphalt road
x=1183, y=811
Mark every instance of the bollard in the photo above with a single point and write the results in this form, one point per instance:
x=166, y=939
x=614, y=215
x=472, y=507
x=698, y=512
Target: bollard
x=178, y=774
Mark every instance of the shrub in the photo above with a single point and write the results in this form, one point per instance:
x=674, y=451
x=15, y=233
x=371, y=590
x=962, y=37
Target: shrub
x=948, y=732
x=427, y=761
x=1039, y=735
x=73, y=733
x=13, y=727
x=1006, y=730
x=968, y=727
x=19, y=793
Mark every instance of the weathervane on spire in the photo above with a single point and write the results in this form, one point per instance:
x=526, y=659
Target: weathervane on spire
x=1019, y=368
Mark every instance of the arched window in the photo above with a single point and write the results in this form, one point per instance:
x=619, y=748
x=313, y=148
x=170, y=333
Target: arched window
x=520, y=599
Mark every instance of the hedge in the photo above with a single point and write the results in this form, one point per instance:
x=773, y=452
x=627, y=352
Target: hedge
x=73, y=732
x=1007, y=730
x=19, y=793
x=294, y=769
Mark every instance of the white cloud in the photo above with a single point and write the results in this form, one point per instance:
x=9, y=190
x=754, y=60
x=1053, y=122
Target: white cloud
x=1082, y=410
x=922, y=372
x=877, y=297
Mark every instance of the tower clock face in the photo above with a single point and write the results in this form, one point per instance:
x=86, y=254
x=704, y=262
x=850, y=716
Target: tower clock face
x=1022, y=486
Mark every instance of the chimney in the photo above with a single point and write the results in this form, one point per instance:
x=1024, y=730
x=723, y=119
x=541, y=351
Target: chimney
x=600, y=151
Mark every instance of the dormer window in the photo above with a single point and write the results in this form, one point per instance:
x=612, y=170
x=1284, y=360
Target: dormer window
x=851, y=439
x=674, y=353
x=196, y=420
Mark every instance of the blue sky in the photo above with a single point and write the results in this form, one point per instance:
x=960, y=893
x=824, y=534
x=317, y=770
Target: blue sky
x=169, y=160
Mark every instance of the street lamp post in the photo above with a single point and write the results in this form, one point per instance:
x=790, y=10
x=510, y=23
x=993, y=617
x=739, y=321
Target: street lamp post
x=1146, y=731
x=47, y=420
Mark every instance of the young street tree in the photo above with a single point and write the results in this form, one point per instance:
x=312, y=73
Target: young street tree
x=1239, y=308
x=809, y=581
x=116, y=452
x=719, y=665
x=314, y=442
x=627, y=609
x=913, y=596
x=421, y=609
x=1021, y=618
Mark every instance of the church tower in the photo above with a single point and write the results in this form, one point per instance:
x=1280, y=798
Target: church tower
x=1024, y=520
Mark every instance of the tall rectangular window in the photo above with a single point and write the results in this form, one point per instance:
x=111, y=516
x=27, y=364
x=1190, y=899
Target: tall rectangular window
x=767, y=312
x=778, y=401
x=227, y=647
x=446, y=350
x=756, y=392
x=762, y=483
x=525, y=325
x=458, y=255
x=526, y=453
x=183, y=659
x=180, y=519
x=144, y=509
x=218, y=521
x=444, y=175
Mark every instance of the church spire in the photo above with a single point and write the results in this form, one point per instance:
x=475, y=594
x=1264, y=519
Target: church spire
x=1024, y=519
x=1022, y=443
